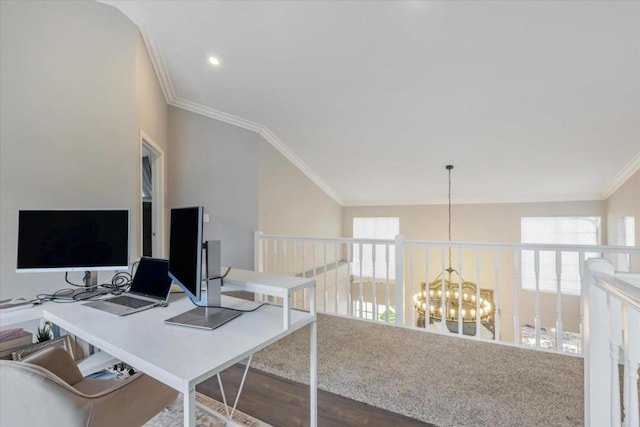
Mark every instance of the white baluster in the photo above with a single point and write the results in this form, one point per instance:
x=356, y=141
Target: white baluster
x=516, y=295
x=335, y=294
x=632, y=356
x=374, y=301
x=583, y=290
x=633, y=262
x=399, y=280
x=427, y=310
x=386, y=285
x=496, y=294
x=559, y=326
x=284, y=257
x=478, y=317
x=313, y=268
x=324, y=276
x=294, y=271
x=411, y=287
x=361, y=291
x=536, y=257
x=275, y=255
x=614, y=309
x=460, y=322
x=257, y=258
x=349, y=302
x=265, y=255
x=443, y=299
x=304, y=273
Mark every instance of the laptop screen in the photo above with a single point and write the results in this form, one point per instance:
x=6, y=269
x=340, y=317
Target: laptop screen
x=152, y=278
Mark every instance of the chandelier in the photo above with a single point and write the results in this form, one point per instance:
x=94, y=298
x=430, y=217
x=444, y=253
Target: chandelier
x=448, y=302
x=453, y=299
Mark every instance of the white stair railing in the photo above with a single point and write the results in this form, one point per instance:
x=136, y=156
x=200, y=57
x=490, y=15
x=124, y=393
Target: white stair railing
x=523, y=315
x=611, y=333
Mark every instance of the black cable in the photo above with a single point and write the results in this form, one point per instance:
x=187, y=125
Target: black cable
x=120, y=281
x=66, y=279
x=226, y=308
x=92, y=295
x=59, y=296
x=220, y=277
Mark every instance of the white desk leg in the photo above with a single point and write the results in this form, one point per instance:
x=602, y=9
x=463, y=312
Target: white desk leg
x=313, y=365
x=286, y=305
x=189, y=406
x=313, y=381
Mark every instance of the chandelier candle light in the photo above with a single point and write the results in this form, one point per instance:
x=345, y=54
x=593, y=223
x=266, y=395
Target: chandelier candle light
x=453, y=300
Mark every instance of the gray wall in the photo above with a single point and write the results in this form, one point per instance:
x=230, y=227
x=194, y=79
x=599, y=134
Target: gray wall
x=68, y=136
x=215, y=165
x=290, y=203
x=152, y=118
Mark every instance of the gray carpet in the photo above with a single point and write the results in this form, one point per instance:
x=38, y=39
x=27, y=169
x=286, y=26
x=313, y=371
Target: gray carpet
x=447, y=381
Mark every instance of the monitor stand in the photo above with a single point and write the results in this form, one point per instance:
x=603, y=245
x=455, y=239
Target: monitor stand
x=213, y=316
x=204, y=318
x=90, y=289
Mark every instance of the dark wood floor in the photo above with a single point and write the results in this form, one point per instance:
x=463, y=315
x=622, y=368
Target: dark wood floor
x=285, y=403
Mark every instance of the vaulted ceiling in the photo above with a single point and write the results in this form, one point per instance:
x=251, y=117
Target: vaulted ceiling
x=530, y=100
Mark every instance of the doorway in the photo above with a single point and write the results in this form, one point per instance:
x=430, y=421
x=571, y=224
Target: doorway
x=152, y=197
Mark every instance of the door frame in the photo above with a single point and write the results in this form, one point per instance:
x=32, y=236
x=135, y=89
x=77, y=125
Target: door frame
x=157, y=161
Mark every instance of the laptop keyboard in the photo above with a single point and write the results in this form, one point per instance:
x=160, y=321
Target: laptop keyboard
x=129, y=302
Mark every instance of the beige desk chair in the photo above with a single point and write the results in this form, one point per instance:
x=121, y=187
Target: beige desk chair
x=47, y=389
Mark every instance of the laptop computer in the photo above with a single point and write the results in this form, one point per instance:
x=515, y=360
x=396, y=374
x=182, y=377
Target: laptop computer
x=150, y=288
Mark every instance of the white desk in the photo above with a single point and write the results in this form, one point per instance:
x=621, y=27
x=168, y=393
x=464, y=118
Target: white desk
x=182, y=357
x=269, y=284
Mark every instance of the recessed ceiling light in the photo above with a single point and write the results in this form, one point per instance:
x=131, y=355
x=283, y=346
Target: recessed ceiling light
x=214, y=61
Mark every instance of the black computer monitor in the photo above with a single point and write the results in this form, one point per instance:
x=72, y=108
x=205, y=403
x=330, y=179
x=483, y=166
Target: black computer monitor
x=73, y=240
x=185, y=249
x=186, y=259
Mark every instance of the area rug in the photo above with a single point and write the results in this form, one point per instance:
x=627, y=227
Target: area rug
x=209, y=413
x=443, y=380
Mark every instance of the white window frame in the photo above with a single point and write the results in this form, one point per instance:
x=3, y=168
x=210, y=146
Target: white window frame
x=386, y=228
x=367, y=312
x=585, y=230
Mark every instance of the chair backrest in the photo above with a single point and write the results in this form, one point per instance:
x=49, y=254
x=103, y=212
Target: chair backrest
x=47, y=389
x=31, y=395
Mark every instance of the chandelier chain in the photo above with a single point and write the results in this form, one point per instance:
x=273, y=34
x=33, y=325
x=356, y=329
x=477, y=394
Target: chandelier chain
x=449, y=167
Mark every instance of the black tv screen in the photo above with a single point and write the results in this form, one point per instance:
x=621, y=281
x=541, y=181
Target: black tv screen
x=73, y=240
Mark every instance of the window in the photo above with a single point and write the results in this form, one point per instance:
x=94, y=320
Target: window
x=375, y=228
x=561, y=231
x=367, y=312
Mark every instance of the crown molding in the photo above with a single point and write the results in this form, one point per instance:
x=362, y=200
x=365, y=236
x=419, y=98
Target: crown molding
x=264, y=132
x=621, y=177
x=164, y=78
x=291, y=156
x=212, y=113
x=129, y=10
x=587, y=197
x=159, y=66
